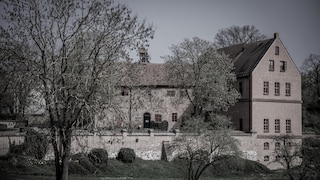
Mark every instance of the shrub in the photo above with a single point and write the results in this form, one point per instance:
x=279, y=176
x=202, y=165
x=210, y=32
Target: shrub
x=98, y=156
x=126, y=155
x=163, y=125
x=35, y=145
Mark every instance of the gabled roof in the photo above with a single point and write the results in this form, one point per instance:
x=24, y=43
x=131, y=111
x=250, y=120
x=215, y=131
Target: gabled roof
x=153, y=75
x=246, y=56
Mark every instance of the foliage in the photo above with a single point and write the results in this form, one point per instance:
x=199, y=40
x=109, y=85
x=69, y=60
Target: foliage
x=310, y=71
x=126, y=155
x=163, y=125
x=310, y=164
x=72, y=49
x=237, y=35
x=204, y=74
x=98, y=156
x=35, y=145
x=82, y=162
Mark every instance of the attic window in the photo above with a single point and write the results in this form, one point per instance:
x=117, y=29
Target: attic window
x=271, y=65
x=277, y=50
x=283, y=66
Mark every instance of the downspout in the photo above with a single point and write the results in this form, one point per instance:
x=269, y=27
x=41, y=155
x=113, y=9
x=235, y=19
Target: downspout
x=250, y=102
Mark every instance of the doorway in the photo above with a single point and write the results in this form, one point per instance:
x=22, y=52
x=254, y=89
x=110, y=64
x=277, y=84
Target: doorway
x=146, y=120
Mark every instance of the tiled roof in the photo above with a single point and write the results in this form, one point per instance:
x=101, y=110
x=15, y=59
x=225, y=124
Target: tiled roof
x=246, y=56
x=153, y=75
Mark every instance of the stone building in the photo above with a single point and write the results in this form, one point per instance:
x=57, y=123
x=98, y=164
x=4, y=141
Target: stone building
x=267, y=79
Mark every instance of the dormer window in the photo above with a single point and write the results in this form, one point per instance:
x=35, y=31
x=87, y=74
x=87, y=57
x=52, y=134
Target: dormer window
x=276, y=50
x=283, y=66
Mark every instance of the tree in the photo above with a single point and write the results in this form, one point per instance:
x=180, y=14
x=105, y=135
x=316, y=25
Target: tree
x=310, y=71
x=73, y=48
x=288, y=153
x=203, y=74
x=208, y=146
x=310, y=155
x=206, y=79
x=238, y=35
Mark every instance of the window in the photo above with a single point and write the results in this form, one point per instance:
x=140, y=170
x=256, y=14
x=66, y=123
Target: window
x=283, y=66
x=288, y=126
x=277, y=145
x=124, y=92
x=266, y=158
x=240, y=88
x=266, y=125
x=278, y=158
x=265, y=88
x=266, y=146
x=158, y=117
x=288, y=89
x=277, y=126
x=171, y=93
x=277, y=89
x=276, y=50
x=271, y=65
x=174, y=117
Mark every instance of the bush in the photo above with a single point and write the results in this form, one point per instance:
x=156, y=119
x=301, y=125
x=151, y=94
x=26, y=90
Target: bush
x=126, y=155
x=163, y=125
x=98, y=156
x=35, y=145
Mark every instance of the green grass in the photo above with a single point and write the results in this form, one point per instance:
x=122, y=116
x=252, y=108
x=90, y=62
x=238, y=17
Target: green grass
x=17, y=167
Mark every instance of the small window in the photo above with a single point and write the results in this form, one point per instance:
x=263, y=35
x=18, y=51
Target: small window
x=266, y=125
x=277, y=145
x=266, y=146
x=278, y=158
x=171, y=93
x=124, y=92
x=288, y=126
x=265, y=88
x=271, y=65
x=266, y=158
x=288, y=89
x=158, y=117
x=174, y=117
x=277, y=89
x=277, y=50
x=277, y=126
x=283, y=66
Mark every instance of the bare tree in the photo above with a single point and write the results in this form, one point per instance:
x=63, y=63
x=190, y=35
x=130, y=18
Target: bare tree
x=205, y=147
x=73, y=47
x=288, y=153
x=238, y=35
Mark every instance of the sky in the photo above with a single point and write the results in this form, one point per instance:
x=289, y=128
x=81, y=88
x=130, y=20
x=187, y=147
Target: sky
x=296, y=21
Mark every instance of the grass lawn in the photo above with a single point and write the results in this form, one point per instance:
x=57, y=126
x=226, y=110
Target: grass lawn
x=140, y=169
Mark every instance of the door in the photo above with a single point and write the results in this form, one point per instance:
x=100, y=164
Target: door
x=146, y=120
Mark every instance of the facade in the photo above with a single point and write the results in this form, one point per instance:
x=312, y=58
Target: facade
x=270, y=104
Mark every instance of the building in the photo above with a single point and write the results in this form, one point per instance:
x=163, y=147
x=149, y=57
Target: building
x=267, y=79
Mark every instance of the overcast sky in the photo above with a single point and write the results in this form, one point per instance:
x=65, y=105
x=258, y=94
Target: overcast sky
x=297, y=21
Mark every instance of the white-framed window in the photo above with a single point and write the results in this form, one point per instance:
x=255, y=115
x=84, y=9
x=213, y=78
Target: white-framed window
x=265, y=88
x=266, y=146
x=271, y=65
x=288, y=89
x=174, y=117
x=288, y=126
x=277, y=125
x=277, y=89
x=266, y=125
x=283, y=66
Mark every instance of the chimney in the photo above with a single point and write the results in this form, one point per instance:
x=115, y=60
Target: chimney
x=276, y=35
